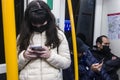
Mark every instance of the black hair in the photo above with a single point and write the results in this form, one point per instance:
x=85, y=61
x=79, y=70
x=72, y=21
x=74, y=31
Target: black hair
x=82, y=37
x=81, y=46
x=33, y=14
x=99, y=39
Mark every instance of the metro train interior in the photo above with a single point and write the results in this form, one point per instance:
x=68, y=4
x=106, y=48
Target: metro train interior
x=84, y=19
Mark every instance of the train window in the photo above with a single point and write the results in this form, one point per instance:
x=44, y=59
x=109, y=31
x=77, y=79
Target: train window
x=19, y=12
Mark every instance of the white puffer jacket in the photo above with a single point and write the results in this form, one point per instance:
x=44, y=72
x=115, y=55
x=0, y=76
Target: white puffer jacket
x=45, y=69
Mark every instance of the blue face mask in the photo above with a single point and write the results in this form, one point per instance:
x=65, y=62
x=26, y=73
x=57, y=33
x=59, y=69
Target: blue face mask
x=106, y=49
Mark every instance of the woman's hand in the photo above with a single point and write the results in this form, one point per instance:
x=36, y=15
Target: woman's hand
x=45, y=53
x=29, y=54
x=42, y=52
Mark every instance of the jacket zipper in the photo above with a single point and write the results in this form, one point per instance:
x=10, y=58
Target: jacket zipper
x=41, y=58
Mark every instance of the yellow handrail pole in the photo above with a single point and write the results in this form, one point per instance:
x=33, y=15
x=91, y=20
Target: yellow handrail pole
x=10, y=39
x=73, y=39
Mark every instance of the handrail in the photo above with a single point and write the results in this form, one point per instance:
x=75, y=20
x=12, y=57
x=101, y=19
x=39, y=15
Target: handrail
x=73, y=40
x=8, y=16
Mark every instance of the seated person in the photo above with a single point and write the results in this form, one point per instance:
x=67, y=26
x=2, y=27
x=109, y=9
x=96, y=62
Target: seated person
x=89, y=68
x=102, y=51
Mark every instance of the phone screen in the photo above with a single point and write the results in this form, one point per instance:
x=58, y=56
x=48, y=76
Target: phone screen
x=37, y=48
x=101, y=60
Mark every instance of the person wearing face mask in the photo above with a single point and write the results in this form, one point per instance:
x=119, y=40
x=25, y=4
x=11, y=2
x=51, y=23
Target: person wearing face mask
x=102, y=51
x=43, y=49
x=89, y=68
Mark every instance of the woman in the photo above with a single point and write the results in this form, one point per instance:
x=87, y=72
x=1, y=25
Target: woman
x=42, y=46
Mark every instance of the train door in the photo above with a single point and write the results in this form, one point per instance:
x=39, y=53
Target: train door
x=83, y=12
x=85, y=21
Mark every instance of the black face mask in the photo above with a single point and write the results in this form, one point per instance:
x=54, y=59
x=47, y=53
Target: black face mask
x=40, y=29
x=106, y=49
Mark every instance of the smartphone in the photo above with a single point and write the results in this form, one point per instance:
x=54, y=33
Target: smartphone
x=37, y=48
x=101, y=61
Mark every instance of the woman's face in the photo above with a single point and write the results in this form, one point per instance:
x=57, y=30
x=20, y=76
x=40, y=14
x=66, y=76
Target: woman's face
x=39, y=25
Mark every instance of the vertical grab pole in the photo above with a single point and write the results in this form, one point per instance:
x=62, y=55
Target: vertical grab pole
x=73, y=40
x=10, y=39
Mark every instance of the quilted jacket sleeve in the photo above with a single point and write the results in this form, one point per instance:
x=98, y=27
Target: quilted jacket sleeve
x=22, y=61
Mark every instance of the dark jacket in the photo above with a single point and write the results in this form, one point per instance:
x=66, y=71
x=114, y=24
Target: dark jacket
x=85, y=62
x=88, y=61
x=111, y=66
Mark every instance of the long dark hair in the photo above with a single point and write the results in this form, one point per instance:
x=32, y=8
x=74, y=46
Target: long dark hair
x=26, y=27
